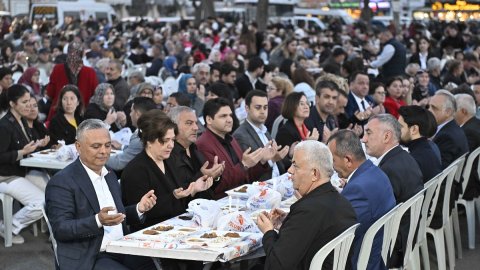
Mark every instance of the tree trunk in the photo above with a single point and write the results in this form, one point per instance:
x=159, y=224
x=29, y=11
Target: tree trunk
x=262, y=15
x=367, y=13
x=205, y=10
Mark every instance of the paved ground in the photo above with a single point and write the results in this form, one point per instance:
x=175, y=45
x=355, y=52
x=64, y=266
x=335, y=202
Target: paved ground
x=36, y=253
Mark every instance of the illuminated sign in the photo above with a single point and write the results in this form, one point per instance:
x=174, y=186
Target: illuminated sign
x=459, y=5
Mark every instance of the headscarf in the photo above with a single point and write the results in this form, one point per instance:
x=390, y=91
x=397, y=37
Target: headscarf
x=26, y=79
x=97, y=97
x=137, y=90
x=182, y=87
x=169, y=65
x=74, y=61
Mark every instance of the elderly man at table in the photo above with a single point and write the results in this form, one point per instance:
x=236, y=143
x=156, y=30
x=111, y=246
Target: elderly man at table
x=84, y=206
x=320, y=215
x=382, y=136
x=118, y=162
x=366, y=187
x=253, y=133
x=240, y=168
x=188, y=161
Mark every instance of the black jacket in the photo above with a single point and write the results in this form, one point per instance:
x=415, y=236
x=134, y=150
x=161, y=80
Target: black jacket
x=61, y=129
x=472, y=131
x=94, y=111
x=422, y=151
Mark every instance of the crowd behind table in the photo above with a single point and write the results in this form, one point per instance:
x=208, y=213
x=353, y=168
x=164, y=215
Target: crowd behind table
x=214, y=107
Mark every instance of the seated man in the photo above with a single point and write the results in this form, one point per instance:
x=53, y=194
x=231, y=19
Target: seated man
x=216, y=141
x=314, y=220
x=84, y=206
x=367, y=188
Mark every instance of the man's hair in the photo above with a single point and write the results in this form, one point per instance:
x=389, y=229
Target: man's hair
x=390, y=123
x=434, y=63
x=137, y=74
x=215, y=66
x=175, y=112
x=465, y=101
x=449, y=100
x=4, y=71
x=317, y=155
x=118, y=64
x=254, y=93
x=212, y=107
x=198, y=66
x=254, y=63
x=181, y=98
x=355, y=74
x=419, y=116
x=143, y=104
x=347, y=143
x=325, y=84
x=90, y=124
x=226, y=69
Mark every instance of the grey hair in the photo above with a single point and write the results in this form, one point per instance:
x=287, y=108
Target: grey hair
x=465, y=101
x=137, y=74
x=103, y=63
x=198, y=66
x=347, y=142
x=90, y=124
x=317, y=155
x=390, y=123
x=434, y=63
x=450, y=102
x=175, y=112
x=117, y=63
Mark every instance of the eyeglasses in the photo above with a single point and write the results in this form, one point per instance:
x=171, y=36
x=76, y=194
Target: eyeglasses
x=271, y=88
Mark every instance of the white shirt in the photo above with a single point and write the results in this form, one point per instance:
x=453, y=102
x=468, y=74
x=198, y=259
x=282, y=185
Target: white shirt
x=261, y=134
x=384, y=57
x=359, y=102
x=381, y=157
x=252, y=80
x=423, y=60
x=105, y=199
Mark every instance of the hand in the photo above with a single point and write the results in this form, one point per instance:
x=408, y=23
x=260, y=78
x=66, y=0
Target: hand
x=281, y=152
x=277, y=217
x=268, y=153
x=29, y=148
x=264, y=223
x=216, y=169
x=147, y=202
x=121, y=118
x=111, y=117
x=327, y=133
x=201, y=184
x=201, y=92
x=181, y=193
x=313, y=135
x=116, y=145
x=43, y=142
x=292, y=148
x=251, y=159
x=110, y=220
x=357, y=129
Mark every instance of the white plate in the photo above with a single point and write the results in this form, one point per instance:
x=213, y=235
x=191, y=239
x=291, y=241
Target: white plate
x=44, y=153
x=219, y=242
x=234, y=192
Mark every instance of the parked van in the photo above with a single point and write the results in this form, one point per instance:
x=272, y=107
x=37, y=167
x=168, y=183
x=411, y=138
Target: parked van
x=325, y=15
x=305, y=22
x=79, y=10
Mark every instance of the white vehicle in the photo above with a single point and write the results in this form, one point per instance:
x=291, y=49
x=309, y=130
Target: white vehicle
x=305, y=22
x=78, y=10
x=325, y=15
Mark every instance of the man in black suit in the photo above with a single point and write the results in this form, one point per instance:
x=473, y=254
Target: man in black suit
x=381, y=138
x=85, y=209
x=320, y=215
x=360, y=104
x=417, y=123
x=322, y=113
x=247, y=81
x=465, y=117
x=253, y=133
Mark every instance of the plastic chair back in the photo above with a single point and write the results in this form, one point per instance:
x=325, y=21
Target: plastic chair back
x=52, y=237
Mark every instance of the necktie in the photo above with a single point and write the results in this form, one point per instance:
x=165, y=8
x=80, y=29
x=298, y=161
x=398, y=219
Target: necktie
x=363, y=105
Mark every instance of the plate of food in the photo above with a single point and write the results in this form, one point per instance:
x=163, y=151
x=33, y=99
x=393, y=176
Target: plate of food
x=241, y=191
x=215, y=239
x=254, y=214
x=165, y=232
x=44, y=153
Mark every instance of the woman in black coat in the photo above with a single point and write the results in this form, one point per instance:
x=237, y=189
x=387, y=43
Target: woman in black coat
x=101, y=107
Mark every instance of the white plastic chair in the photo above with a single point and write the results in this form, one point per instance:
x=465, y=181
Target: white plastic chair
x=454, y=215
x=52, y=237
x=341, y=247
x=7, y=204
x=429, y=204
x=276, y=125
x=469, y=205
x=445, y=230
x=384, y=222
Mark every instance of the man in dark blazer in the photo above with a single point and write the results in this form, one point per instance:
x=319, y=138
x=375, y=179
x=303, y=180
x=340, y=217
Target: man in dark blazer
x=247, y=82
x=366, y=187
x=322, y=113
x=320, y=215
x=465, y=117
x=382, y=136
x=360, y=104
x=417, y=123
x=84, y=206
x=253, y=132
x=240, y=167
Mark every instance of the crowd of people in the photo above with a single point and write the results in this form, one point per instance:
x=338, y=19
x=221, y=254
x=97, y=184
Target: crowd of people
x=214, y=107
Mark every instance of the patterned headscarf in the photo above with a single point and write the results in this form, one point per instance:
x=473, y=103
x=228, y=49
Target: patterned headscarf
x=97, y=97
x=74, y=60
x=26, y=79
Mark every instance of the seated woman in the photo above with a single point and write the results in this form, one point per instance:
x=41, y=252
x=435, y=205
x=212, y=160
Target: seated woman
x=377, y=92
x=295, y=109
x=30, y=78
x=394, y=101
x=25, y=186
x=277, y=90
x=38, y=129
x=151, y=169
x=188, y=84
x=63, y=125
x=101, y=107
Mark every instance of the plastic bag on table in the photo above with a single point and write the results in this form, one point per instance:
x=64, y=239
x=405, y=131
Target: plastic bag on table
x=205, y=212
x=265, y=199
x=283, y=185
x=236, y=221
x=66, y=152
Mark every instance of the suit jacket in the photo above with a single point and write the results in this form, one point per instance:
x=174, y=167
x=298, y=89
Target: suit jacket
x=71, y=206
x=472, y=132
x=118, y=162
x=313, y=221
x=428, y=161
x=407, y=180
x=243, y=85
x=142, y=175
x=247, y=137
x=452, y=142
x=61, y=129
x=352, y=108
x=371, y=196
x=234, y=175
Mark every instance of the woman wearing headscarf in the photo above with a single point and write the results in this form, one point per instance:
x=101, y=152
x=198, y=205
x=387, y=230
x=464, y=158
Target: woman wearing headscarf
x=170, y=67
x=72, y=72
x=30, y=79
x=189, y=86
x=101, y=107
